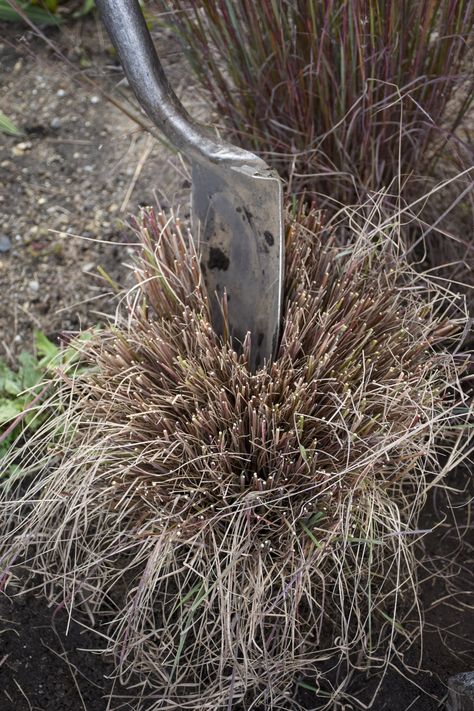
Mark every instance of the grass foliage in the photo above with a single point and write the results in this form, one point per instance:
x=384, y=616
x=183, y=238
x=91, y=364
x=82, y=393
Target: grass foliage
x=339, y=96
x=44, y=12
x=241, y=534
x=7, y=126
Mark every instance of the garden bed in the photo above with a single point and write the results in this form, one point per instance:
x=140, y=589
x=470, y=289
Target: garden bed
x=79, y=168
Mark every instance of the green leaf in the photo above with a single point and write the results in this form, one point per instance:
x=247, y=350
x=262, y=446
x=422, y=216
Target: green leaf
x=310, y=534
x=35, y=14
x=370, y=541
x=9, y=409
x=11, y=386
x=87, y=6
x=393, y=622
x=7, y=126
x=28, y=373
x=32, y=420
x=72, y=353
x=45, y=347
x=314, y=518
x=305, y=685
x=14, y=470
x=9, y=381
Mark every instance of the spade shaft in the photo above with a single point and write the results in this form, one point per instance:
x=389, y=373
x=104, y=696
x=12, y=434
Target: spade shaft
x=236, y=198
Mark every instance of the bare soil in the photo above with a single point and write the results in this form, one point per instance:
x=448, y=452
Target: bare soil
x=68, y=184
x=80, y=167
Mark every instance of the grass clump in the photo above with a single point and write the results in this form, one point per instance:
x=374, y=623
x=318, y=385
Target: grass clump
x=241, y=534
x=341, y=97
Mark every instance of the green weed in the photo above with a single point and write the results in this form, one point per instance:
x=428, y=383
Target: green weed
x=22, y=389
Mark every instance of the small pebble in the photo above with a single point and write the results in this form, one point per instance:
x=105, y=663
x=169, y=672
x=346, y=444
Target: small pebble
x=95, y=99
x=5, y=244
x=60, y=93
x=33, y=286
x=55, y=123
x=21, y=148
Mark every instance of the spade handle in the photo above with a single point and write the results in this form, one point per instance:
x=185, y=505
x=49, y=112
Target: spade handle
x=127, y=29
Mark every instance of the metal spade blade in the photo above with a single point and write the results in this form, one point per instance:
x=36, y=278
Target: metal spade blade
x=236, y=198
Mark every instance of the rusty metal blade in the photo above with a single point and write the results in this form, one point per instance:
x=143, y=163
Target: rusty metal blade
x=238, y=218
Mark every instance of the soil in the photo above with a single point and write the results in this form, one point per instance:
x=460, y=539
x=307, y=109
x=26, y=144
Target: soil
x=67, y=186
x=70, y=181
x=44, y=666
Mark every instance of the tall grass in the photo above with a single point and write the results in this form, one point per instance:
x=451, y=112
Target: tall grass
x=340, y=96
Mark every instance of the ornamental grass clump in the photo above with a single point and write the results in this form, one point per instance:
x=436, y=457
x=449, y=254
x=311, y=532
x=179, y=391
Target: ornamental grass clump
x=240, y=535
x=341, y=97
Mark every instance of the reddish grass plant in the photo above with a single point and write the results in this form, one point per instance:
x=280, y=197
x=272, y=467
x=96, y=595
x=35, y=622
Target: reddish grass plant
x=242, y=535
x=340, y=96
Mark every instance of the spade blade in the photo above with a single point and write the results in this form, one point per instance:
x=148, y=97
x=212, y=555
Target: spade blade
x=238, y=227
